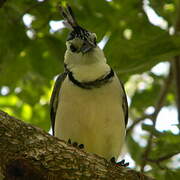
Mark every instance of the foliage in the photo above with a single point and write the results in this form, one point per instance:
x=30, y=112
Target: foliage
x=32, y=55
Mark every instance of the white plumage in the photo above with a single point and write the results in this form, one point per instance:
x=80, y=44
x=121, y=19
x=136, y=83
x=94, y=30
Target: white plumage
x=94, y=117
x=88, y=103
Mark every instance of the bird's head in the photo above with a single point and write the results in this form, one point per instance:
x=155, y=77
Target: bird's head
x=81, y=41
x=81, y=44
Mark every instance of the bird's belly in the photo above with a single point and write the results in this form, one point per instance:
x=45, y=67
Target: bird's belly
x=92, y=117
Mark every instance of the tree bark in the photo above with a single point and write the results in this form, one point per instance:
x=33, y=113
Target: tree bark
x=27, y=152
x=176, y=65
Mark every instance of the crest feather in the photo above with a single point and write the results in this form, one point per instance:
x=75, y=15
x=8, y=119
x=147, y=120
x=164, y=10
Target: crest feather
x=69, y=18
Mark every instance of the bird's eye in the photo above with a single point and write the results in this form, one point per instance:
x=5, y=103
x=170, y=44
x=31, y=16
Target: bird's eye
x=95, y=41
x=73, y=48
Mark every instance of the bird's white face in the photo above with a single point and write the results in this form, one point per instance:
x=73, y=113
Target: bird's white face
x=84, y=58
x=79, y=53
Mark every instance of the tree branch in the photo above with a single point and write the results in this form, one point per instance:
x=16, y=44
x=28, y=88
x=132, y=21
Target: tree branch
x=162, y=96
x=163, y=158
x=138, y=120
x=27, y=152
x=158, y=106
x=176, y=64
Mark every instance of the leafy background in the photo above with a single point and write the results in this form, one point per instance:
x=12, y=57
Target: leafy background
x=31, y=55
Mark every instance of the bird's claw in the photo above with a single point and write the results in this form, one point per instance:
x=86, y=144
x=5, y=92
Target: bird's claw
x=75, y=144
x=120, y=163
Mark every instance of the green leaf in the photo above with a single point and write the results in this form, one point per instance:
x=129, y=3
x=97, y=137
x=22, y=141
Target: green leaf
x=172, y=175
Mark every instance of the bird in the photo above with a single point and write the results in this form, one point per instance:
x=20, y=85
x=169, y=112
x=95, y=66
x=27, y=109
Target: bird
x=88, y=105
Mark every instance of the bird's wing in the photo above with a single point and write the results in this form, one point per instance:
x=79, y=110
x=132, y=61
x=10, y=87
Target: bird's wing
x=124, y=104
x=55, y=97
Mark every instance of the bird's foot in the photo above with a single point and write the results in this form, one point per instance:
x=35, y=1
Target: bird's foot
x=120, y=163
x=75, y=144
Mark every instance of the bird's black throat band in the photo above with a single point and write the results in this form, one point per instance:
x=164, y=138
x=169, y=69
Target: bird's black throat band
x=91, y=84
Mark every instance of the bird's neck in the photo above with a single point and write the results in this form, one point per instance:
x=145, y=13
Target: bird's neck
x=89, y=72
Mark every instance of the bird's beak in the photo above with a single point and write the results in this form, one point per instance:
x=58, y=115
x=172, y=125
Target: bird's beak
x=87, y=46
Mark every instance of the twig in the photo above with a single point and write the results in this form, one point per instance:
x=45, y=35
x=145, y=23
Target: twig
x=158, y=105
x=138, y=120
x=162, y=96
x=163, y=158
x=33, y=6
x=146, y=152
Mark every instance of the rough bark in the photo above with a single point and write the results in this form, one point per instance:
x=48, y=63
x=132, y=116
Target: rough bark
x=27, y=152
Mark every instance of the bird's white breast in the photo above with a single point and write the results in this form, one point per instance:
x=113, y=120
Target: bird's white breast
x=93, y=117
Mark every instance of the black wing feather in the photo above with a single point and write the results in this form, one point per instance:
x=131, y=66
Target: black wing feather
x=124, y=104
x=55, y=97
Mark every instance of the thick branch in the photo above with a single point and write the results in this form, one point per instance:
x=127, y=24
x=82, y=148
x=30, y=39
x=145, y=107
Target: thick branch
x=176, y=63
x=176, y=66
x=27, y=152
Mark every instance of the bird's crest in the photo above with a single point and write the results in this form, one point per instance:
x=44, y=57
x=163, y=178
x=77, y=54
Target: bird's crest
x=71, y=23
x=69, y=18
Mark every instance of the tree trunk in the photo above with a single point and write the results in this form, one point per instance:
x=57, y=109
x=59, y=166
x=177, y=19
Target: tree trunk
x=27, y=152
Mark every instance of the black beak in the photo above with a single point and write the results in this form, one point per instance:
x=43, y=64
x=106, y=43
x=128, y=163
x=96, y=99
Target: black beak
x=87, y=46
